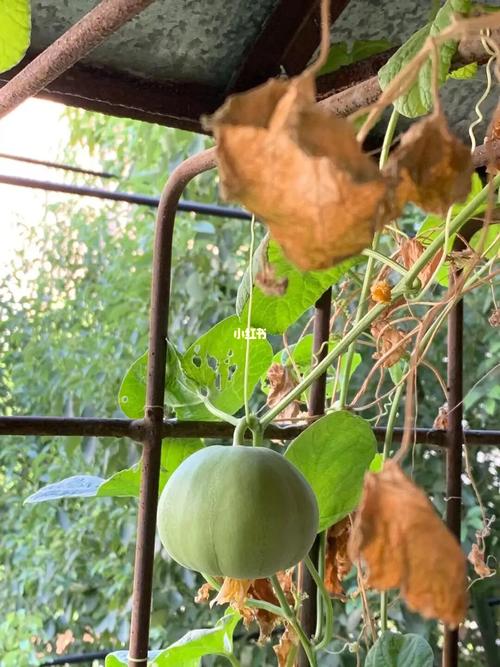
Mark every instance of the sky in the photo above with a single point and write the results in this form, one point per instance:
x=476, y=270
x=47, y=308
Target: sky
x=37, y=130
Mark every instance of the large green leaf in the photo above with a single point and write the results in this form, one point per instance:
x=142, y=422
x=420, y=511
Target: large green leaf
x=418, y=101
x=124, y=483
x=216, y=363
x=189, y=649
x=395, y=650
x=15, y=31
x=333, y=454
x=277, y=313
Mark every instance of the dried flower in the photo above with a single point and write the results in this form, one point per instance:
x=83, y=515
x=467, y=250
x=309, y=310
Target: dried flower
x=381, y=291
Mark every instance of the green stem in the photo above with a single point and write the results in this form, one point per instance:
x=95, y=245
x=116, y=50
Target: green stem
x=290, y=617
x=384, y=154
x=239, y=431
x=319, y=597
x=391, y=420
x=465, y=214
x=223, y=416
x=249, y=321
x=232, y=659
x=327, y=603
x=395, y=266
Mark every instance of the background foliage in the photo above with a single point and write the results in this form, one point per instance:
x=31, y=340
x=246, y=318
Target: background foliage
x=74, y=315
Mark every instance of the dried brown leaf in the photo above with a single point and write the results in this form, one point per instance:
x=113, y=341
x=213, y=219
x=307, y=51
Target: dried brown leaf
x=267, y=280
x=494, y=318
x=337, y=562
x=493, y=134
x=441, y=420
x=301, y=170
x=390, y=341
x=410, y=250
x=288, y=642
x=282, y=381
x=430, y=167
x=203, y=593
x=406, y=545
x=476, y=558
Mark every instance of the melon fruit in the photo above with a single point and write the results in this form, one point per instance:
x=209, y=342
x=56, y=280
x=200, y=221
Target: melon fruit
x=239, y=512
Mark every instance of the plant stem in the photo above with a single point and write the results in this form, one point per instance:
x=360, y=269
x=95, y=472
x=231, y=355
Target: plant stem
x=391, y=420
x=239, y=431
x=224, y=416
x=291, y=618
x=384, y=154
x=327, y=603
x=319, y=597
x=465, y=214
x=395, y=266
x=249, y=321
x=232, y=659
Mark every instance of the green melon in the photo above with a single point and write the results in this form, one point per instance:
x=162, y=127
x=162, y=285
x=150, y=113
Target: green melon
x=239, y=512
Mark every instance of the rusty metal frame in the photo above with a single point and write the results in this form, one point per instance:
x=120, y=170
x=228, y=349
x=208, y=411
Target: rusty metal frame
x=79, y=40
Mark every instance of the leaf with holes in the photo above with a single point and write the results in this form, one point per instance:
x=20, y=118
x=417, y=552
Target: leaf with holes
x=417, y=101
x=15, y=32
x=179, y=391
x=333, y=454
x=189, y=649
x=277, y=313
x=395, y=650
x=216, y=362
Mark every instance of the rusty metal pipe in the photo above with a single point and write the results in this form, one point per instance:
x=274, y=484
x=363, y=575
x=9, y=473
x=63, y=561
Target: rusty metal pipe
x=82, y=38
x=135, y=429
x=153, y=419
x=321, y=333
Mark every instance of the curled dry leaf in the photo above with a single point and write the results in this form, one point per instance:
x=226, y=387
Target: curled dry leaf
x=477, y=560
x=410, y=250
x=494, y=318
x=337, y=562
x=281, y=382
x=203, y=593
x=288, y=643
x=390, y=342
x=493, y=134
x=406, y=545
x=430, y=167
x=441, y=420
x=301, y=170
x=261, y=589
x=381, y=291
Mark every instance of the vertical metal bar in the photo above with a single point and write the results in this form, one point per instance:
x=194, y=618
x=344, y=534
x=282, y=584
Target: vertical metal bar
x=148, y=498
x=454, y=439
x=306, y=584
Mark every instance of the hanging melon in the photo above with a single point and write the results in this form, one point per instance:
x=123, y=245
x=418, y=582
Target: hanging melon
x=239, y=512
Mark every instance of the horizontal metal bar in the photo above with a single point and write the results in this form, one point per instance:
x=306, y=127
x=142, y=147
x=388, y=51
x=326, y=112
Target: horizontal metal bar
x=57, y=165
x=127, y=197
x=119, y=428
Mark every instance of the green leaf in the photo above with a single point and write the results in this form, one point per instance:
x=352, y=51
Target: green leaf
x=216, y=362
x=127, y=482
x=340, y=55
x=377, y=463
x=465, y=72
x=15, y=31
x=491, y=242
x=395, y=650
x=418, y=100
x=189, y=649
x=333, y=454
x=277, y=313
x=179, y=391
x=78, y=486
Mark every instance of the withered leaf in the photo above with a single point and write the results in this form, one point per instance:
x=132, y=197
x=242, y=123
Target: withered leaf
x=494, y=318
x=288, y=642
x=301, y=170
x=493, y=134
x=282, y=381
x=410, y=250
x=441, y=419
x=430, y=167
x=268, y=281
x=476, y=558
x=406, y=545
x=233, y=592
x=337, y=562
x=261, y=589
x=390, y=341
x=203, y=593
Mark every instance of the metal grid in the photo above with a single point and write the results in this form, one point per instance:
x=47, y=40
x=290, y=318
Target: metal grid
x=107, y=17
